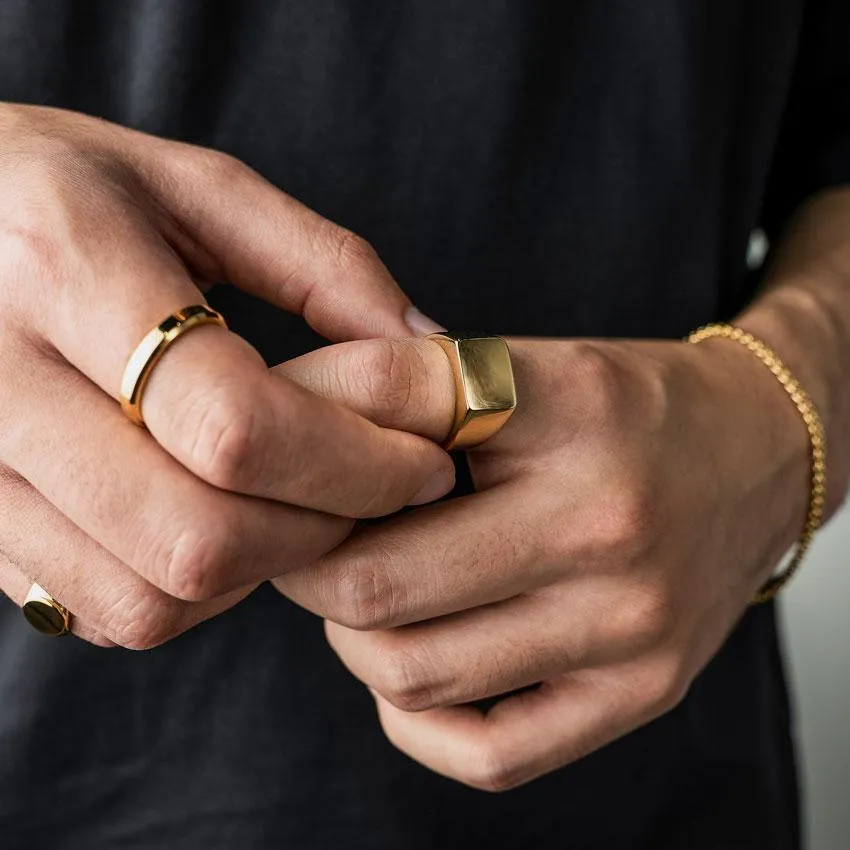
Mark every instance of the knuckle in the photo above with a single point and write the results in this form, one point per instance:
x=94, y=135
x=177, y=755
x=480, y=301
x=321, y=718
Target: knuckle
x=599, y=379
x=145, y=622
x=102, y=641
x=212, y=166
x=196, y=566
x=407, y=681
x=628, y=521
x=644, y=620
x=350, y=251
x=365, y=598
x=223, y=440
x=29, y=251
x=385, y=374
x=490, y=769
x=665, y=687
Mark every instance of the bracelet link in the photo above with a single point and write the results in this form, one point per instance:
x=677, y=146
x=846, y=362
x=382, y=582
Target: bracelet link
x=817, y=440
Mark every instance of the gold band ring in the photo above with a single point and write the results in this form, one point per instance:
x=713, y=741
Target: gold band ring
x=45, y=614
x=149, y=351
x=484, y=384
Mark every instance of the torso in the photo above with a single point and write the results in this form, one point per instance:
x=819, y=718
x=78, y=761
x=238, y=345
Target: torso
x=523, y=166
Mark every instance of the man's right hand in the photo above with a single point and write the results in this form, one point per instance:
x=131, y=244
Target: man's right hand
x=242, y=475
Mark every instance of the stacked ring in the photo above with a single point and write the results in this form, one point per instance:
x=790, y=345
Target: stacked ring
x=150, y=350
x=45, y=614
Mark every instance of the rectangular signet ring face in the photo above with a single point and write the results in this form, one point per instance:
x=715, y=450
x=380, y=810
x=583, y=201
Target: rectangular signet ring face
x=484, y=384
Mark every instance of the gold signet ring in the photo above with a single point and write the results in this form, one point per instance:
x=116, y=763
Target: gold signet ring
x=149, y=351
x=45, y=614
x=484, y=383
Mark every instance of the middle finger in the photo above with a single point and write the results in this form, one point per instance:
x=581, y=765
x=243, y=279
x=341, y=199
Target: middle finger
x=109, y=477
x=495, y=649
x=435, y=560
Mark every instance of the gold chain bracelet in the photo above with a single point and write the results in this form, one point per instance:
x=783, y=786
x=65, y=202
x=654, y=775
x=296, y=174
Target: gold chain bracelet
x=817, y=440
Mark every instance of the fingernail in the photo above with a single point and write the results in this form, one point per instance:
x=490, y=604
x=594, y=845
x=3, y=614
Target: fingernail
x=420, y=324
x=437, y=485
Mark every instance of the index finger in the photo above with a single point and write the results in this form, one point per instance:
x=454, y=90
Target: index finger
x=218, y=410
x=211, y=402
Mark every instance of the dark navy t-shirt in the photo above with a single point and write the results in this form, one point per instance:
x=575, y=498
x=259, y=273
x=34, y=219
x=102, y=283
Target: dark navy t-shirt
x=546, y=167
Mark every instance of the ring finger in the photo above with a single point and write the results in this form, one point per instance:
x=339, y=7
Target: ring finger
x=211, y=402
x=110, y=604
x=191, y=540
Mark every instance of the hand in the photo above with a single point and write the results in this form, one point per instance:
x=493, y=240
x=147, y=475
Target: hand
x=242, y=474
x=626, y=514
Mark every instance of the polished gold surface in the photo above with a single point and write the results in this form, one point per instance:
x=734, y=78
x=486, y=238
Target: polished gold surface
x=817, y=441
x=484, y=383
x=149, y=351
x=45, y=614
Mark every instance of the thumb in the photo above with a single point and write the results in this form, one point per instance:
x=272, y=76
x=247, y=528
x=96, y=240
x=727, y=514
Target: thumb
x=405, y=384
x=270, y=245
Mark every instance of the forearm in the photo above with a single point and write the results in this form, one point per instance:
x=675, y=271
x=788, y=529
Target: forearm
x=803, y=312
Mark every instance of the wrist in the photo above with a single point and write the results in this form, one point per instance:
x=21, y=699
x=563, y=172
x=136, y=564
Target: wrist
x=810, y=339
x=763, y=445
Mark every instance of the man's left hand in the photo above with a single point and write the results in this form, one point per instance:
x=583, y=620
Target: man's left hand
x=623, y=519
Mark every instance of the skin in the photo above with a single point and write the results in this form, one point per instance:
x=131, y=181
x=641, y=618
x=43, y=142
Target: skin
x=242, y=474
x=624, y=517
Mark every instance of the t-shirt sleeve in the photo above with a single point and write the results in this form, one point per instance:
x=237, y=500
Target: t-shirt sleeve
x=813, y=151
